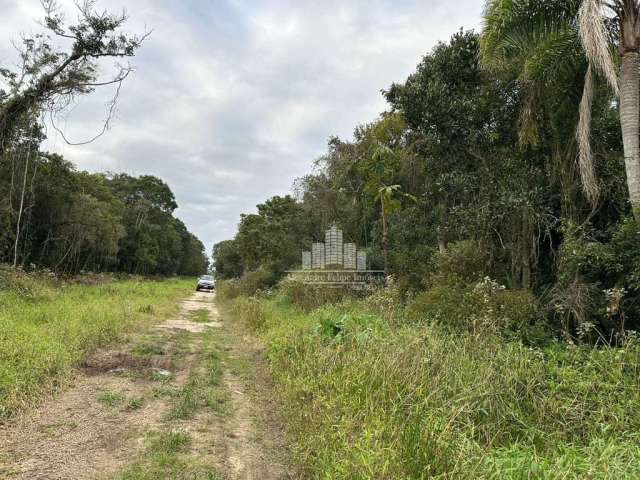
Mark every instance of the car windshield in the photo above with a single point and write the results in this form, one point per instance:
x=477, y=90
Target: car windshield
x=206, y=277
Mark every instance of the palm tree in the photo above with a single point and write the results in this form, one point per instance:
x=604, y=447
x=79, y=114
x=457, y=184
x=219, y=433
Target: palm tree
x=388, y=205
x=537, y=35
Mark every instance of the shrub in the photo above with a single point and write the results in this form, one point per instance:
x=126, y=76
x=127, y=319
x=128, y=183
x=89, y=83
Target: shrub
x=249, y=284
x=309, y=297
x=387, y=302
x=466, y=260
x=250, y=310
x=484, y=306
x=227, y=289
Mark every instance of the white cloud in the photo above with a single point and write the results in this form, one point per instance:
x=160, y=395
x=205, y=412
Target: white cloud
x=233, y=99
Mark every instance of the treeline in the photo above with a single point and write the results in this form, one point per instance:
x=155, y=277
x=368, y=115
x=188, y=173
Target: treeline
x=476, y=171
x=54, y=216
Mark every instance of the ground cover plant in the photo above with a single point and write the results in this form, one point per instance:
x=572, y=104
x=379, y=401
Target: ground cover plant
x=48, y=326
x=371, y=393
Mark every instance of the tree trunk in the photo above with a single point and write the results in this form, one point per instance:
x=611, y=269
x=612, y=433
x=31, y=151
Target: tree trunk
x=442, y=245
x=385, y=240
x=18, y=224
x=630, y=123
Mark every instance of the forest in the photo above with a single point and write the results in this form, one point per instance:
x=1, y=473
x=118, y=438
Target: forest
x=53, y=216
x=500, y=157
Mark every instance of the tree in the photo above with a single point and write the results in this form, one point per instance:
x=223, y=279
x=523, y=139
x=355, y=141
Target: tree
x=227, y=260
x=388, y=205
x=50, y=77
x=536, y=34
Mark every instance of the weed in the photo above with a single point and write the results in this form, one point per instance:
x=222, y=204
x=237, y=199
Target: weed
x=147, y=349
x=135, y=403
x=366, y=397
x=202, y=387
x=110, y=399
x=201, y=315
x=166, y=457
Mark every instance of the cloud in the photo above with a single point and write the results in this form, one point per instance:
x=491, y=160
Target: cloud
x=232, y=100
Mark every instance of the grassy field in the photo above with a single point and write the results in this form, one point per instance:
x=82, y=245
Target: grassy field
x=369, y=397
x=47, y=327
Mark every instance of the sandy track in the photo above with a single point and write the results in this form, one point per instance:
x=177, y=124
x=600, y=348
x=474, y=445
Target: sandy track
x=76, y=436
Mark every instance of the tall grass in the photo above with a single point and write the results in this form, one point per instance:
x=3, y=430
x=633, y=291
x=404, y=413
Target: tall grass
x=369, y=398
x=47, y=327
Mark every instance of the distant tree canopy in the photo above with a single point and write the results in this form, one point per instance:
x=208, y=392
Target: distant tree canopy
x=52, y=215
x=76, y=221
x=473, y=171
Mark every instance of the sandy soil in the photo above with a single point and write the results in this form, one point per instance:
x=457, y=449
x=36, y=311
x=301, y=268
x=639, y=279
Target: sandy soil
x=80, y=435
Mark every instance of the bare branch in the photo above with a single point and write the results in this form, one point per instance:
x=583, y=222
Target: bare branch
x=105, y=126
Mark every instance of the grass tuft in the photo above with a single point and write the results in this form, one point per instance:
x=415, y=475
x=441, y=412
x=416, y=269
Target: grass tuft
x=110, y=399
x=48, y=327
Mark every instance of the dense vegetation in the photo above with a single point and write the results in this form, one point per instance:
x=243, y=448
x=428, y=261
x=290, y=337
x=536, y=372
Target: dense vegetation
x=474, y=171
x=49, y=326
x=498, y=194
x=370, y=393
x=53, y=216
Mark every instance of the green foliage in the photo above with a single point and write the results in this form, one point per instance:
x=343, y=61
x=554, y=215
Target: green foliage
x=310, y=297
x=249, y=284
x=367, y=398
x=464, y=260
x=480, y=308
x=110, y=399
x=591, y=271
x=79, y=221
x=50, y=327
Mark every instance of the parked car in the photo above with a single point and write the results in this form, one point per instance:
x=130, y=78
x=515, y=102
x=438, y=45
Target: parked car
x=205, y=283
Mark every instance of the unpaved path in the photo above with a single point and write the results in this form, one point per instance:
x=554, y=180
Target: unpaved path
x=100, y=426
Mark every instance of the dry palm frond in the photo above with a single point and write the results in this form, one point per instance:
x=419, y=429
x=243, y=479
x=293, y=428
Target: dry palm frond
x=593, y=34
x=583, y=135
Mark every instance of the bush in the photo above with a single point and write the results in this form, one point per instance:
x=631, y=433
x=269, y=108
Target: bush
x=227, y=289
x=249, y=284
x=309, y=297
x=485, y=306
x=466, y=260
x=250, y=310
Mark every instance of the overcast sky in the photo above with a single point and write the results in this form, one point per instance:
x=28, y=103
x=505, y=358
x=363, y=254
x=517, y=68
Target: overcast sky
x=232, y=100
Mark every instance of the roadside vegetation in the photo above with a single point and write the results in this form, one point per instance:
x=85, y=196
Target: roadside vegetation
x=49, y=326
x=499, y=192
x=369, y=391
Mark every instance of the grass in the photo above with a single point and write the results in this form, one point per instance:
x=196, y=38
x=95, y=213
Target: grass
x=169, y=453
x=48, y=327
x=370, y=398
x=202, y=388
x=200, y=315
x=135, y=403
x=166, y=457
x=110, y=399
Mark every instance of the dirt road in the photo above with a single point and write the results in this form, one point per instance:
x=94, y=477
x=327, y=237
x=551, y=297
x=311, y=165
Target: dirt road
x=189, y=398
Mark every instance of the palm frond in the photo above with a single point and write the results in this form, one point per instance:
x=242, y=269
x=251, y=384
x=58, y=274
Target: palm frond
x=583, y=136
x=514, y=28
x=595, y=39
